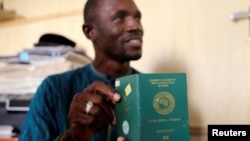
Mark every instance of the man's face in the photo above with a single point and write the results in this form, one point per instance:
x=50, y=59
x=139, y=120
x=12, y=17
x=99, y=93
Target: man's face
x=118, y=30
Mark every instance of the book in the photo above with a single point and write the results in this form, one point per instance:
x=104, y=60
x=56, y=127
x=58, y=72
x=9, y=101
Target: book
x=153, y=107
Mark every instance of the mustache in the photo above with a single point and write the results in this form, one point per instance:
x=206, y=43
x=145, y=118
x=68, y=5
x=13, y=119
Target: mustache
x=134, y=35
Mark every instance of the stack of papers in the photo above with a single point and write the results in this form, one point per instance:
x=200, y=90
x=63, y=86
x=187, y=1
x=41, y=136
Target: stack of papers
x=6, y=131
x=22, y=74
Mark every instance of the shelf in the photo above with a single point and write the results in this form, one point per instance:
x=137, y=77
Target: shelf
x=6, y=15
x=17, y=20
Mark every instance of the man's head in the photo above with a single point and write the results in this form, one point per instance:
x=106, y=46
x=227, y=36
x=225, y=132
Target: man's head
x=114, y=27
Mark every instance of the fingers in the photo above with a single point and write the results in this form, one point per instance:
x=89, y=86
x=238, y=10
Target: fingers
x=102, y=88
x=100, y=115
x=101, y=106
x=95, y=120
x=101, y=94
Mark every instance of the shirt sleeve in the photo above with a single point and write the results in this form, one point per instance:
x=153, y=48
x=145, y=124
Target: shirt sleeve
x=39, y=125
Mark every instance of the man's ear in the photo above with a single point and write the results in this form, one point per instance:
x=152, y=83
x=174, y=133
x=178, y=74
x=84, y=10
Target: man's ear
x=89, y=31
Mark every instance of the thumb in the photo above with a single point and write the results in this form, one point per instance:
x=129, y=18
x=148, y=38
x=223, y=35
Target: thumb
x=121, y=139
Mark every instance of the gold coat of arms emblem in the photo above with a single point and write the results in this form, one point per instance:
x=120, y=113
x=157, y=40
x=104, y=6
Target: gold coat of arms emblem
x=163, y=103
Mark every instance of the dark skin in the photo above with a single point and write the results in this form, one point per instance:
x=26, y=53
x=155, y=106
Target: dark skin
x=116, y=34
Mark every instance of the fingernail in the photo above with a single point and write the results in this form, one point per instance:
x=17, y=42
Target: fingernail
x=117, y=96
x=120, y=139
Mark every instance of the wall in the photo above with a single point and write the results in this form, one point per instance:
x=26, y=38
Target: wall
x=40, y=17
x=197, y=37
x=192, y=36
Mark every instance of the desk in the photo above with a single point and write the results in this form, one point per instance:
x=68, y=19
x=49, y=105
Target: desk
x=8, y=139
x=15, y=119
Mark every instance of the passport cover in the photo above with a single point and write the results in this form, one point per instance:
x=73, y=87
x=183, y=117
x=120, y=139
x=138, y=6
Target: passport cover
x=153, y=107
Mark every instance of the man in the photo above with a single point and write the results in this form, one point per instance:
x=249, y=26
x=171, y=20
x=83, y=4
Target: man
x=79, y=105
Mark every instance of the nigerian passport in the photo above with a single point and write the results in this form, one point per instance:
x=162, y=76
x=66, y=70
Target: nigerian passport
x=153, y=107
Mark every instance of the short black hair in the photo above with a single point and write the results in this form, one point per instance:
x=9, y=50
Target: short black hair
x=89, y=10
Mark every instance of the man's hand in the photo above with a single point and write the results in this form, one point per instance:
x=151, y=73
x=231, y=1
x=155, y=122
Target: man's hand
x=84, y=124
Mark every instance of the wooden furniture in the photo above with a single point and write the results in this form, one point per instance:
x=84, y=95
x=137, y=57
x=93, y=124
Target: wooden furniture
x=8, y=139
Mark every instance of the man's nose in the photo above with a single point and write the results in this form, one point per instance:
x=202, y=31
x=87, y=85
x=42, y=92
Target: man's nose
x=134, y=24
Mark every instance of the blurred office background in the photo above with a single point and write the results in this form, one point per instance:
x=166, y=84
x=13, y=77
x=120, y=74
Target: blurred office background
x=197, y=37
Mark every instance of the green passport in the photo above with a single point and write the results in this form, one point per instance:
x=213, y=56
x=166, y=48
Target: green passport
x=153, y=107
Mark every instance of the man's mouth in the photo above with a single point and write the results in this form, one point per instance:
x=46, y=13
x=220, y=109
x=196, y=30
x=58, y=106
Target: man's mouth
x=134, y=42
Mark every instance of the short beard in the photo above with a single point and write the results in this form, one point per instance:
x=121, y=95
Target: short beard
x=124, y=58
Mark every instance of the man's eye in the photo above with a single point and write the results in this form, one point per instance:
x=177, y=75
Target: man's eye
x=138, y=16
x=120, y=17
